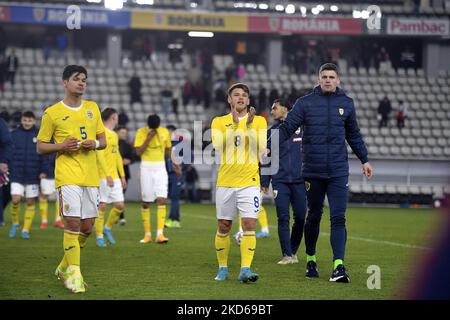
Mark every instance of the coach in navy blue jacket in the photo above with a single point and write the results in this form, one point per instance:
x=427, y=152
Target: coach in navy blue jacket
x=288, y=186
x=328, y=119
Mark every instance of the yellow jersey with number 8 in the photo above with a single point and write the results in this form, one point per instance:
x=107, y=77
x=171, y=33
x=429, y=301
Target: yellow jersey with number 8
x=240, y=147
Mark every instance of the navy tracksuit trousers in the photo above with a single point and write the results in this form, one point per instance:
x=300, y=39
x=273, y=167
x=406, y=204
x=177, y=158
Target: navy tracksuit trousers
x=174, y=196
x=336, y=189
x=286, y=194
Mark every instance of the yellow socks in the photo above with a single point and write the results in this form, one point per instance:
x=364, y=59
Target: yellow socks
x=161, y=219
x=71, y=247
x=29, y=215
x=114, y=215
x=248, y=246
x=15, y=208
x=82, y=239
x=262, y=219
x=145, y=214
x=43, y=209
x=99, y=224
x=222, y=243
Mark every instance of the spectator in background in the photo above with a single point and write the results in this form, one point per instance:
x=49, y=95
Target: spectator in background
x=62, y=43
x=166, y=101
x=206, y=97
x=262, y=99
x=190, y=189
x=240, y=72
x=292, y=97
x=384, y=108
x=176, y=93
x=187, y=92
x=198, y=95
x=274, y=95
x=401, y=114
x=123, y=118
x=382, y=58
x=135, y=89
x=128, y=157
x=6, y=148
x=408, y=58
x=230, y=73
x=12, y=65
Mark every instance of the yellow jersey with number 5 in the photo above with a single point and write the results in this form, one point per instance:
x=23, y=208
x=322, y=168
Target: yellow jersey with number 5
x=60, y=122
x=240, y=147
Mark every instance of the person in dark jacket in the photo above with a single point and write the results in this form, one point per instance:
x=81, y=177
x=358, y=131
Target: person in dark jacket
x=175, y=184
x=288, y=186
x=128, y=157
x=135, y=85
x=27, y=166
x=328, y=118
x=12, y=65
x=190, y=190
x=6, y=146
x=384, y=108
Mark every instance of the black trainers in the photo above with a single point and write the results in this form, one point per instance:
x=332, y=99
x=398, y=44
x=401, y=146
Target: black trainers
x=311, y=270
x=340, y=275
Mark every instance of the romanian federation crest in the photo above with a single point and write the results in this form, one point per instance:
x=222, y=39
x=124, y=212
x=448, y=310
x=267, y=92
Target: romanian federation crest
x=341, y=111
x=89, y=114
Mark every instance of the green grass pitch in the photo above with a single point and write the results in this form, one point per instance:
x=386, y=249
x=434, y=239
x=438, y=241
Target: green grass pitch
x=184, y=269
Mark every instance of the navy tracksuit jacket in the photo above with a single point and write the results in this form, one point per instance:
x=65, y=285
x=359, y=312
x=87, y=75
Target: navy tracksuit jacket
x=26, y=164
x=328, y=121
x=288, y=188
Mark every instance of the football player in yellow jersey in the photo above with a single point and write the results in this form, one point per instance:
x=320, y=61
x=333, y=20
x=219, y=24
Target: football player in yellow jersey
x=112, y=181
x=152, y=144
x=76, y=127
x=239, y=138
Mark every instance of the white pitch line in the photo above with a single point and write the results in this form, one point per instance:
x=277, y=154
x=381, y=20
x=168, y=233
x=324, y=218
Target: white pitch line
x=326, y=234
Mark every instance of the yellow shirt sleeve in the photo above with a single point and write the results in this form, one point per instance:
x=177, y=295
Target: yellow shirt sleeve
x=139, y=139
x=120, y=165
x=101, y=163
x=100, y=125
x=47, y=128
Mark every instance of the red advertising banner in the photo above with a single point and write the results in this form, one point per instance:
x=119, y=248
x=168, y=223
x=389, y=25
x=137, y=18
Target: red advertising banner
x=284, y=24
x=418, y=27
x=4, y=14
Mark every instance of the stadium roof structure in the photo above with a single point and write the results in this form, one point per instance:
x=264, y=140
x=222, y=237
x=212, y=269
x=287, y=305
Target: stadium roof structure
x=305, y=8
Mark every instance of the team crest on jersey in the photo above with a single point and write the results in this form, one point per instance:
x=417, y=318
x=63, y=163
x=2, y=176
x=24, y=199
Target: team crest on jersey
x=275, y=193
x=34, y=140
x=298, y=131
x=66, y=207
x=341, y=111
x=89, y=114
x=307, y=185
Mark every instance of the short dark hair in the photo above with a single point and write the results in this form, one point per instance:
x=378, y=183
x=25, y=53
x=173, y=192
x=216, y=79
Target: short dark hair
x=171, y=127
x=71, y=69
x=28, y=114
x=153, y=121
x=240, y=86
x=121, y=128
x=329, y=66
x=107, y=113
x=283, y=103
